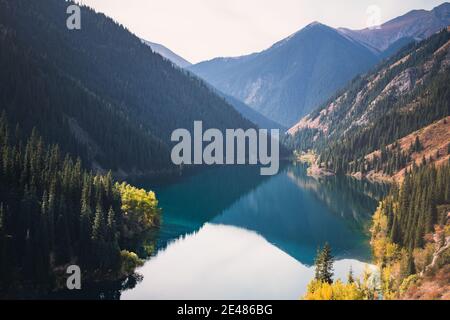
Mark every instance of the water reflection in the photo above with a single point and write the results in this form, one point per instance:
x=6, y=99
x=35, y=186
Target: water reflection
x=225, y=262
x=293, y=219
x=229, y=233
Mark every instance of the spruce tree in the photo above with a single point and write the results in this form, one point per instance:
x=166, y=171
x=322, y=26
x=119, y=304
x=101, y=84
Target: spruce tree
x=324, y=265
x=3, y=256
x=350, y=276
x=112, y=230
x=328, y=261
x=98, y=228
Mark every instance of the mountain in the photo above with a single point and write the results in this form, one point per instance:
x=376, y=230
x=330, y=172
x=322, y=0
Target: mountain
x=247, y=112
x=168, y=54
x=416, y=24
x=366, y=128
x=295, y=75
x=252, y=115
x=99, y=92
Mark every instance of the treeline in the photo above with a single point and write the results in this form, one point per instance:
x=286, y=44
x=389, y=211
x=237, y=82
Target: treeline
x=54, y=213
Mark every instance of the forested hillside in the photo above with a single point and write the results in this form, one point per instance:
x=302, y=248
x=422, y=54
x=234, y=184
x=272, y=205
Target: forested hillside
x=54, y=213
x=98, y=92
x=35, y=93
x=411, y=235
x=404, y=94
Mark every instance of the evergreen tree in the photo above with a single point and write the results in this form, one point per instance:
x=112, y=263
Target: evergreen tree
x=324, y=265
x=350, y=277
x=407, y=266
x=112, y=231
x=98, y=228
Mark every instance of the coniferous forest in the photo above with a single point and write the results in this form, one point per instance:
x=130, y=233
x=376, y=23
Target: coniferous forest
x=54, y=213
x=410, y=232
x=418, y=206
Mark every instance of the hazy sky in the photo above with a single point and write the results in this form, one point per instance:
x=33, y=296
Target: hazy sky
x=204, y=29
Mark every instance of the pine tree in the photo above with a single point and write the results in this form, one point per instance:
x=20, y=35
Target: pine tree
x=98, y=229
x=417, y=145
x=85, y=227
x=408, y=266
x=350, y=276
x=51, y=219
x=395, y=231
x=328, y=260
x=63, y=247
x=3, y=257
x=2, y=218
x=318, y=262
x=112, y=230
x=324, y=265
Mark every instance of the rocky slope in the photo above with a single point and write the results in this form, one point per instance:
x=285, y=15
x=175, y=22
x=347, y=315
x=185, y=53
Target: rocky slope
x=366, y=97
x=435, y=148
x=407, y=93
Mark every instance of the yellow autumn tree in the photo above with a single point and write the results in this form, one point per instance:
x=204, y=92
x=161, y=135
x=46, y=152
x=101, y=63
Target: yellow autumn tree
x=140, y=208
x=318, y=290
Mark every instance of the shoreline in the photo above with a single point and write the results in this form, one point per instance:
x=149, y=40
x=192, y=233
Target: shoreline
x=314, y=170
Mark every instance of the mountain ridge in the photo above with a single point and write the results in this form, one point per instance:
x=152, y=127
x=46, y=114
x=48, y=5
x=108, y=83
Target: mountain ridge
x=247, y=112
x=298, y=86
x=286, y=80
x=168, y=54
x=417, y=24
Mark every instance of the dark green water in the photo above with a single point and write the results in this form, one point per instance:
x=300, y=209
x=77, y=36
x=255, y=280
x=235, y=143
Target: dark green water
x=229, y=233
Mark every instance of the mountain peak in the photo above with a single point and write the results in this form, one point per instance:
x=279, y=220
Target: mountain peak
x=315, y=25
x=295, y=75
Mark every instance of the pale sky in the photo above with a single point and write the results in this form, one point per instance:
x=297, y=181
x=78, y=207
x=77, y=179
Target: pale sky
x=201, y=30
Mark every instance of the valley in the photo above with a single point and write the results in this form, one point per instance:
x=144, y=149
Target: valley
x=121, y=157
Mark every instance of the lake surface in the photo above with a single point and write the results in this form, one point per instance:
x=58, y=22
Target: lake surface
x=229, y=233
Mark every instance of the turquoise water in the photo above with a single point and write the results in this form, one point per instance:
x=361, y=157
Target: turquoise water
x=229, y=233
